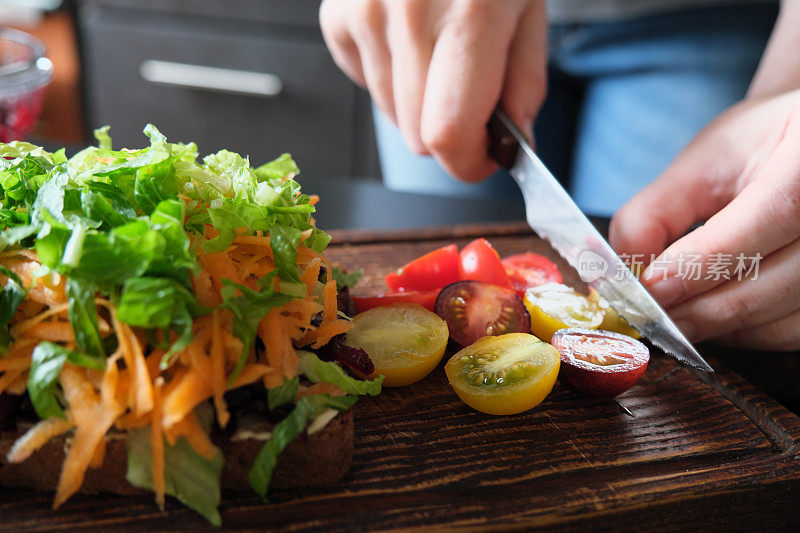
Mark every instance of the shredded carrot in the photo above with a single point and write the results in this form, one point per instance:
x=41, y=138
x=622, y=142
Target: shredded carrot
x=190, y=429
x=320, y=388
x=250, y=373
x=218, y=371
x=157, y=444
x=36, y=437
x=311, y=275
x=186, y=395
x=99, y=455
x=140, y=395
x=59, y=331
x=331, y=310
x=92, y=416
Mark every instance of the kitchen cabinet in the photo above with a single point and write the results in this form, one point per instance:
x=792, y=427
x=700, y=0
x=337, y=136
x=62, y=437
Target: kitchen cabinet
x=271, y=86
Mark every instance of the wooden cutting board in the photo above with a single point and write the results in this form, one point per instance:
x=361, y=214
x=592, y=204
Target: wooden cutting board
x=708, y=452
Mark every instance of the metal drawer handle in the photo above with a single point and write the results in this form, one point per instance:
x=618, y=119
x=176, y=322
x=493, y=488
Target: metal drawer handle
x=211, y=78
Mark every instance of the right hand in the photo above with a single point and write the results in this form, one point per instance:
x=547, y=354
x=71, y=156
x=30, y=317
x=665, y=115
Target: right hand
x=438, y=68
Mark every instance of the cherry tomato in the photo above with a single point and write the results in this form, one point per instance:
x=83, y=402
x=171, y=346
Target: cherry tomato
x=426, y=299
x=611, y=319
x=554, y=306
x=475, y=309
x=530, y=270
x=480, y=262
x=404, y=341
x=504, y=375
x=431, y=271
x=600, y=363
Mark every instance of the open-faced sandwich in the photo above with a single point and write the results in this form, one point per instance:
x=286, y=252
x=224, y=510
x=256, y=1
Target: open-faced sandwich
x=158, y=322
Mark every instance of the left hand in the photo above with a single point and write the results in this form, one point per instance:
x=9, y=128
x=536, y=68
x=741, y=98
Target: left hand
x=742, y=175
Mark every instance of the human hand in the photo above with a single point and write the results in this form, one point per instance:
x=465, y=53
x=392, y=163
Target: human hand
x=438, y=68
x=742, y=175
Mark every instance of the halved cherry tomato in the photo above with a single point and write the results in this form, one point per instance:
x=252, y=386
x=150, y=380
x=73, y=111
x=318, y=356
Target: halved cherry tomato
x=600, y=363
x=480, y=262
x=475, y=309
x=611, y=319
x=404, y=341
x=426, y=299
x=504, y=375
x=530, y=270
x=554, y=306
x=431, y=271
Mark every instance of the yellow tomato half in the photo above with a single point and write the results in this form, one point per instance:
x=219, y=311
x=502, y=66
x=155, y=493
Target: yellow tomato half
x=504, y=375
x=554, y=306
x=405, y=341
x=611, y=319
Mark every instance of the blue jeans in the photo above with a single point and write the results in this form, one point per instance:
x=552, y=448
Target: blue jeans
x=623, y=99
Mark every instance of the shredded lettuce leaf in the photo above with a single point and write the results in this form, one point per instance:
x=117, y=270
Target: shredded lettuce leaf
x=318, y=370
x=304, y=412
x=47, y=360
x=343, y=280
x=191, y=478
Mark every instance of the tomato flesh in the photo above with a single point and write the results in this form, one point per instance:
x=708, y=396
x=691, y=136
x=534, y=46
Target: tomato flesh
x=554, y=306
x=404, y=341
x=600, y=363
x=611, y=319
x=431, y=271
x=426, y=299
x=530, y=270
x=504, y=375
x=480, y=262
x=475, y=309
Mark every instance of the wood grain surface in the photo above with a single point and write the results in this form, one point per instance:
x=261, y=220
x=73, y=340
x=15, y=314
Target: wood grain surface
x=700, y=452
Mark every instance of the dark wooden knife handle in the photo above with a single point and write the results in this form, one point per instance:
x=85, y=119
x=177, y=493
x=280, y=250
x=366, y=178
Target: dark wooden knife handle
x=503, y=146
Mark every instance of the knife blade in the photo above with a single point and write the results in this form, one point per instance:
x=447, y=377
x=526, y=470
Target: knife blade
x=553, y=215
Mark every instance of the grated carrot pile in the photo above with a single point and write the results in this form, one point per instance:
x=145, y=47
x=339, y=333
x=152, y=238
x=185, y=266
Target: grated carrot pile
x=133, y=391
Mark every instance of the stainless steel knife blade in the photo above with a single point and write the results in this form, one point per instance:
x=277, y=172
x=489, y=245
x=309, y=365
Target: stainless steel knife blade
x=553, y=215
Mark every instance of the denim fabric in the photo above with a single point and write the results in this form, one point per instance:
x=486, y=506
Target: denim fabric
x=623, y=99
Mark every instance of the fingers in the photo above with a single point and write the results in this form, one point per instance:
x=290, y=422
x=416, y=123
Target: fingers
x=464, y=83
x=367, y=25
x=411, y=41
x=685, y=193
x=526, y=73
x=333, y=21
x=742, y=304
x=780, y=335
x=760, y=219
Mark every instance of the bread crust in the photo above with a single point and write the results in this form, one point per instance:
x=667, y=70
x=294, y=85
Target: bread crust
x=317, y=460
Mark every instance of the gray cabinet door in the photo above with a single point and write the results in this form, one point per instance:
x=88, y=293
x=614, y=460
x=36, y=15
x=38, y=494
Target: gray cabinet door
x=314, y=116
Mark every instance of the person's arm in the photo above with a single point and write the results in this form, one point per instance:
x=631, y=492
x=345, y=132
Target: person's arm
x=740, y=177
x=779, y=69
x=437, y=68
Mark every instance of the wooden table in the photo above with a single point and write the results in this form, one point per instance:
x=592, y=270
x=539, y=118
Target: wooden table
x=700, y=452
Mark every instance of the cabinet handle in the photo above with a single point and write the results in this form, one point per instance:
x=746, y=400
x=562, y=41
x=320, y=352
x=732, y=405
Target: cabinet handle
x=211, y=78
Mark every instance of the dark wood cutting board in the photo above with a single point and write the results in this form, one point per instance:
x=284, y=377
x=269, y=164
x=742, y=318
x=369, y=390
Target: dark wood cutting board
x=700, y=452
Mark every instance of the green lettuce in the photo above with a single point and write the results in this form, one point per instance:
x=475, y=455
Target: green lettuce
x=47, y=360
x=318, y=370
x=189, y=477
x=305, y=410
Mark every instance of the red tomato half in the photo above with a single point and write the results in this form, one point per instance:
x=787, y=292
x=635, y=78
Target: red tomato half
x=431, y=271
x=426, y=299
x=599, y=363
x=480, y=262
x=530, y=270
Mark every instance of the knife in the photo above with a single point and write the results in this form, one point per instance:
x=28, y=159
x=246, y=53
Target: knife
x=553, y=215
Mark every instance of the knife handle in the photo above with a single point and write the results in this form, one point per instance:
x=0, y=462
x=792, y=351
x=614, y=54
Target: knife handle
x=503, y=146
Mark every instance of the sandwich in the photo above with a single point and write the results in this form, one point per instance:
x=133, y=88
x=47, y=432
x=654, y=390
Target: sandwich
x=168, y=324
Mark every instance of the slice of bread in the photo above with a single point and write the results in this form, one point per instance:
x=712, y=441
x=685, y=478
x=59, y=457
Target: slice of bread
x=316, y=460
